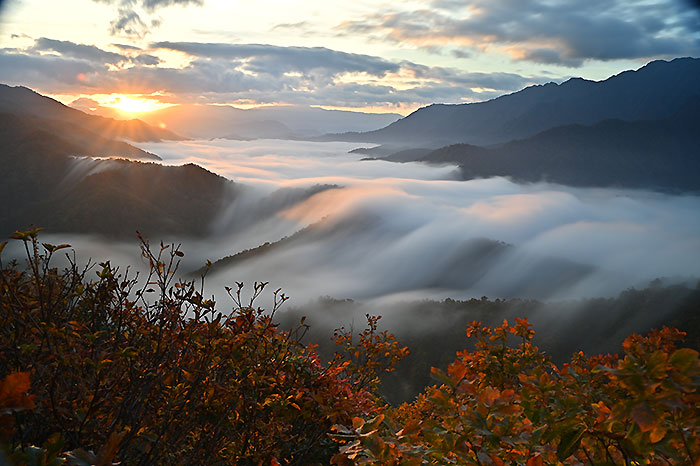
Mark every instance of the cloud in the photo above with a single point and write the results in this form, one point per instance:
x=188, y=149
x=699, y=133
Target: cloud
x=91, y=53
x=127, y=47
x=299, y=25
x=130, y=23
x=403, y=231
x=566, y=32
x=146, y=59
x=152, y=5
x=59, y=74
x=220, y=73
x=270, y=59
x=316, y=75
x=71, y=49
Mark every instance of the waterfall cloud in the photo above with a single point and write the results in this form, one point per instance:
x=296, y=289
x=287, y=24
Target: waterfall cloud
x=379, y=229
x=376, y=230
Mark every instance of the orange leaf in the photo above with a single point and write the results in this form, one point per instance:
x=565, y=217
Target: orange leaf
x=644, y=417
x=457, y=370
x=13, y=392
x=358, y=422
x=657, y=434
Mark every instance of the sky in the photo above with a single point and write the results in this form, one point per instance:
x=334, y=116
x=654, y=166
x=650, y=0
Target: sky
x=363, y=55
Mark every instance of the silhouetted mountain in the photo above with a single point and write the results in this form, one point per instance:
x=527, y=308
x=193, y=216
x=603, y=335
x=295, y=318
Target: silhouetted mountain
x=22, y=101
x=266, y=129
x=278, y=122
x=42, y=184
x=653, y=92
x=55, y=137
x=640, y=154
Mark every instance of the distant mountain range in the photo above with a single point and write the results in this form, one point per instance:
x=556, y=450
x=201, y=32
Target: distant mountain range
x=50, y=177
x=653, y=92
x=274, y=122
x=661, y=154
x=639, y=129
x=25, y=102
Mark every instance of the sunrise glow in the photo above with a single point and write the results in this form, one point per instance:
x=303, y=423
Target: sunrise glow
x=132, y=103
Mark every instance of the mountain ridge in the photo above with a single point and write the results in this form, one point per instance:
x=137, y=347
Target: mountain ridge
x=293, y=122
x=653, y=91
x=655, y=154
x=24, y=101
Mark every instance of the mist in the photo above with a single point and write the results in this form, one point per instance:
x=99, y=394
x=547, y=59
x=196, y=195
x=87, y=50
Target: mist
x=384, y=232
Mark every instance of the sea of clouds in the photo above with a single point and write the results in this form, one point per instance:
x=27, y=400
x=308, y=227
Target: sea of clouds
x=381, y=231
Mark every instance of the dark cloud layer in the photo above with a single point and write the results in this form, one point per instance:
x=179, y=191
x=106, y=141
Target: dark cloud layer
x=80, y=51
x=219, y=72
x=567, y=32
x=59, y=74
x=270, y=59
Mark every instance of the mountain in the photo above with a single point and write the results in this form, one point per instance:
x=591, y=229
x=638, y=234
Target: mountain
x=266, y=129
x=22, y=133
x=45, y=181
x=661, y=154
x=653, y=92
x=22, y=101
x=41, y=184
x=277, y=122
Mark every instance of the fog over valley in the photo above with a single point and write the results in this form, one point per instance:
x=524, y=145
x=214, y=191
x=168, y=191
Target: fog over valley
x=373, y=230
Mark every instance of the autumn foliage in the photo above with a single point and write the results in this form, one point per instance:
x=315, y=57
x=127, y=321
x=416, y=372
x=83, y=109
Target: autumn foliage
x=144, y=371
x=100, y=366
x=506, y=404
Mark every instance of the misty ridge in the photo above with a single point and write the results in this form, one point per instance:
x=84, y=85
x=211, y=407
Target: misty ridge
x=574, y=191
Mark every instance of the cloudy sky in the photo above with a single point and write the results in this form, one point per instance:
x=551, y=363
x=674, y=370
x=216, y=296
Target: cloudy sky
x=371, y=55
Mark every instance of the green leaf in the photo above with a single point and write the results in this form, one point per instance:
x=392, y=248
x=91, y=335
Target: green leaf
x=440, y=376
x=682, y=359
x=569, y=443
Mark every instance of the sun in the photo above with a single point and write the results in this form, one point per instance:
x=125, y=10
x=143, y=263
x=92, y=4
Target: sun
x=130, y=103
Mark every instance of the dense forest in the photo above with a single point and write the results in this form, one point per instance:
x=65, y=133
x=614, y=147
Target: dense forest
x=101, y=366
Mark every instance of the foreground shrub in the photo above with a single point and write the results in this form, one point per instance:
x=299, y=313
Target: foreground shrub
x=148, y=371
x=504, y=404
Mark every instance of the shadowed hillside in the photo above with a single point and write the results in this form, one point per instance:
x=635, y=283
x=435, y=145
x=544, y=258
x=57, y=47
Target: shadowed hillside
x=43, y=183
x=641, y=154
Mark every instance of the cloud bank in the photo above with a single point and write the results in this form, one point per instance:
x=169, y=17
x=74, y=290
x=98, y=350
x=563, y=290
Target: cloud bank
x=566, y=33
x=377, y=231
x=221, y=72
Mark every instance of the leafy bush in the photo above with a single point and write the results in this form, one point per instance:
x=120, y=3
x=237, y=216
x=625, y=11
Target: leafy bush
x=118, y=369
x=150, y=372
x=505, y=404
